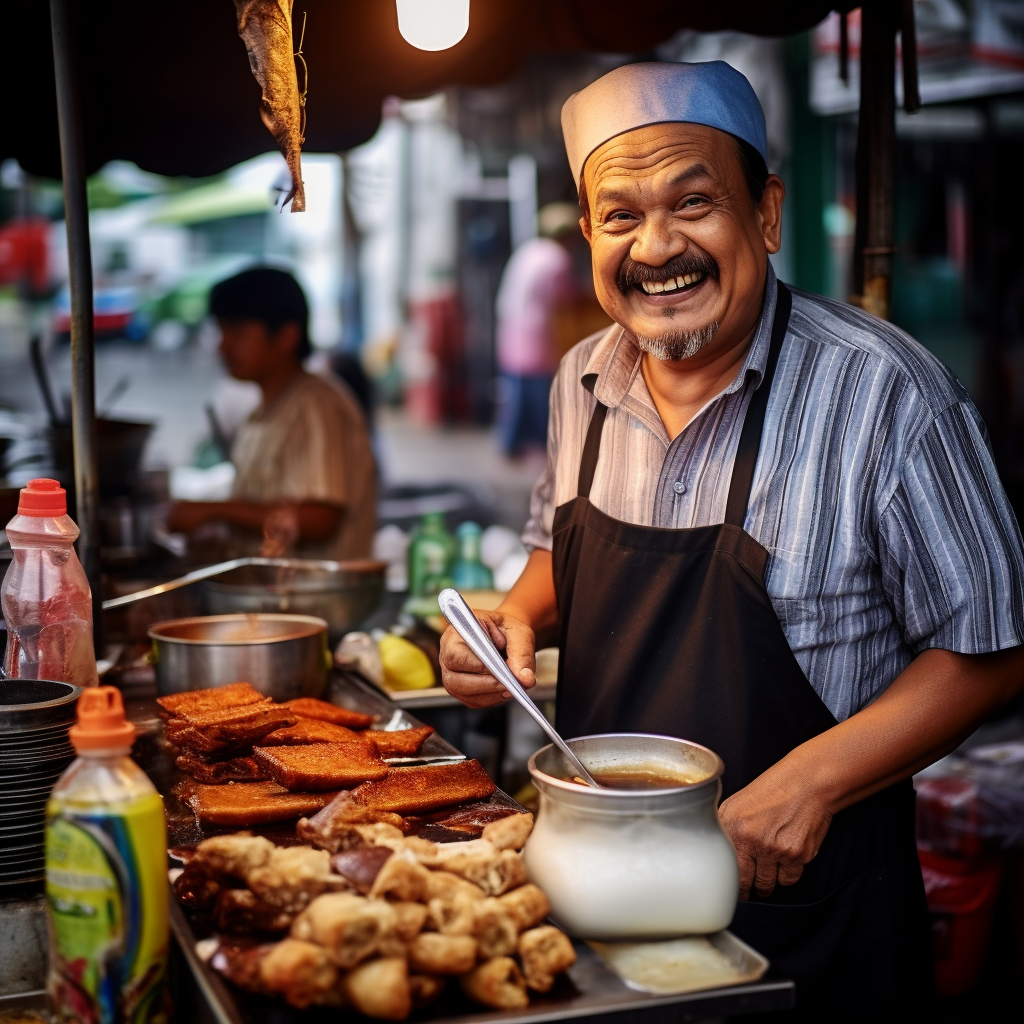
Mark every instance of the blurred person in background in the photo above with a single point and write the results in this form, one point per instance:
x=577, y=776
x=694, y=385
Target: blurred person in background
x=305, y=478
x=537, y=282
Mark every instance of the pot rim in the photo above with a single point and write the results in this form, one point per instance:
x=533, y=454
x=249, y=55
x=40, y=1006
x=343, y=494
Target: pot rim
x=624, y=794
x=314, y=626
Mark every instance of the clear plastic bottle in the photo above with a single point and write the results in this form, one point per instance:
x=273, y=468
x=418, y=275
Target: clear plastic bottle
x=45, y=597
x=469, y=572
x=106, y=876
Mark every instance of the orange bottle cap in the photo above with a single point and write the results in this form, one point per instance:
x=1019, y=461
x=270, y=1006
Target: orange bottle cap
x=43, y=498
x=101, y=722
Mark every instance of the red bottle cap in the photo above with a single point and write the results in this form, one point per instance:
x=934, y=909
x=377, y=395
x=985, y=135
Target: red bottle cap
x=43, y=498
x=101, y=723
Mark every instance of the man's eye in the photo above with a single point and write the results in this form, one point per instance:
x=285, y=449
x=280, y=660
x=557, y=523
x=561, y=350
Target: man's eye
x=620, y=215
x=692, y=201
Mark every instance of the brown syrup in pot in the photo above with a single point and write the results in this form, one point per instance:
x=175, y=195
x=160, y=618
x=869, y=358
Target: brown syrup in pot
x=643, y=777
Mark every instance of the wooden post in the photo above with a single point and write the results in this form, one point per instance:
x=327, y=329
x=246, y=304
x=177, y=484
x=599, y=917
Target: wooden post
x=83, y=365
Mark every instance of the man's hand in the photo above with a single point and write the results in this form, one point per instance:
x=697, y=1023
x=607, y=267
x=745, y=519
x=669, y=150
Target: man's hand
x=775, y=828
x=188, y=516
x=464, y=675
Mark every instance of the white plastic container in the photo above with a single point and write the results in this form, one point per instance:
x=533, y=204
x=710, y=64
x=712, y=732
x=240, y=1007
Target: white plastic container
x=45, y=597
x=633, y=863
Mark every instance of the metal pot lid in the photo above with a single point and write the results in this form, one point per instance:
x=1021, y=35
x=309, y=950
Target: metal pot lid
x=30, y=705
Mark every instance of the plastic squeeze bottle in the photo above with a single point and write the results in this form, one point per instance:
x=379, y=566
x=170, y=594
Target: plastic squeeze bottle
x=45, y=596
x=106, y=876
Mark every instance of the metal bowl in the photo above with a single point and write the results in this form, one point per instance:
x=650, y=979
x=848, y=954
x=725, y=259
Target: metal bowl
x=282, y=656
x=344, y=597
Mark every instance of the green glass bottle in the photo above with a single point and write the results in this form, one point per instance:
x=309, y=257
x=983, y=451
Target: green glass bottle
x=431, y=555
x=469, y=573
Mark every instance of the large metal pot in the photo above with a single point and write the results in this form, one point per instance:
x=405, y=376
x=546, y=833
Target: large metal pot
x=283, y=656
x=344, y=596
x=633, y=863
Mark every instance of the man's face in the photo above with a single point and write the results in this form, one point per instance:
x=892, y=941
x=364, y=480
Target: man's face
x=252, y=352
x=679, y=249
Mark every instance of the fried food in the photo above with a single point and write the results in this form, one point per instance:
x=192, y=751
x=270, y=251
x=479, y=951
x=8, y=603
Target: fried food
x=360, y=865
x=527, y=905
x=227, y=729
x=231, y=695
x=473, y=819
x=321, y=766
x=243, y=804
x=234, y=769
x=348, y=926
x=401, y=878
x=509, y=833
x=310, y=730
x=454, y=916
x=310, y=707
x=242, y=912
x=422, y=788
x=409, y=919
x=301, y=972
x=232, y=856
x=495, y=929
x=443, y=885
x=241, y=965
x=196, y=888
x=399, y=742
x=494, y=871
x=293, y=876
x=497, y=983
x=544, y=952
x=432, y=953
x=425, y=989
x=380, y=988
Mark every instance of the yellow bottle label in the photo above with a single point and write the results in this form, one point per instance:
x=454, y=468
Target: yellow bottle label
x=106, y=889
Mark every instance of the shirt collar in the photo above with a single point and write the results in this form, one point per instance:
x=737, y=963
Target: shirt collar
x=612, y=373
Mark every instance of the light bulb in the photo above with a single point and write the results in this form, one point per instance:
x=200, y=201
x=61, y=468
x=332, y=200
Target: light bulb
x=433, y=24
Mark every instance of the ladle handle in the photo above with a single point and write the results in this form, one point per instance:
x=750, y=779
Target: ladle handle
x=466, y=624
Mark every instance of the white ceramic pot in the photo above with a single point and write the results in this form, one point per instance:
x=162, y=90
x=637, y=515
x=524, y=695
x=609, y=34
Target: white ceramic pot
x=626, y=863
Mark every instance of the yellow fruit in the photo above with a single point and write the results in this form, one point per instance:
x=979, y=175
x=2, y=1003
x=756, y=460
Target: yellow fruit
x=406, y=667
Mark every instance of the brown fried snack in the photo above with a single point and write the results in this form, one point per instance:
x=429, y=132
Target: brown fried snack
x=425, y=989
x=495, y=929
x=231, y=695
x=497, y=983
x=232, y=856
x=196, y=888
x=348, y=926
x=479, y=862
x=360, y=865
x=527, y=905
x=310, y=730
x=545, y=952
x=241, y=965
x=242, y=912
x=321, y=766
x=422, y=788
x=399, y=742
x=409, y=919
x=243, y=804
x=473, y=819
x=380, y=988
x=293, y=876
x=431, y=953
x=212, y=773
x=509, y=833
x=310, y=707
x=302, y=972
x=443, y=885
x=401, y=878
x=454, y=915
x=226, y=729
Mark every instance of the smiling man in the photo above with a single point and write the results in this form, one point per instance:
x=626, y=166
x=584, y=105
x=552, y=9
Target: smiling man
x=769, y=523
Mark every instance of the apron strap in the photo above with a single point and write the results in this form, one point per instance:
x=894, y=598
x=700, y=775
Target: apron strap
x=591, y=450
x=753, y=425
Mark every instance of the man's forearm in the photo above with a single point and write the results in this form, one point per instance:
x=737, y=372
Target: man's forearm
x=928, y=710
x=532, y=598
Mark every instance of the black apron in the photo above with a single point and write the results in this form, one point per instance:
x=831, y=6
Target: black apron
x=672, y=632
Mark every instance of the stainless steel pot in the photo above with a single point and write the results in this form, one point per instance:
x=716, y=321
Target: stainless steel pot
x=633, y=863
x=283, y=656
x=344, y=596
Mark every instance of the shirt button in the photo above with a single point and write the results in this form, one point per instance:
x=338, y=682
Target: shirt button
x=679, y=487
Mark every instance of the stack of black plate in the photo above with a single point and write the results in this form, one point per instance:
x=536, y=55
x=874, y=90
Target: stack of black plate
x=34, y=751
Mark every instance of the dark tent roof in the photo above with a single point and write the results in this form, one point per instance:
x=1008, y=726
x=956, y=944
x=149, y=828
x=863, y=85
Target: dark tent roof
x=166, y=83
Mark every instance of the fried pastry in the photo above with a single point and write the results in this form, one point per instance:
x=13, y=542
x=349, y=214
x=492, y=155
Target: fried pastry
x=241, y=965
x=527, y=905
x=242, y=912
x=425, y=989
x=494, y=928
x=310, y=730
x=409, y=919
x=310, y=707
x=401, y=878
x=422, y=788
x=473, y=819
x=196, y=888
x=545, y=952
x=497, y=983
x=454, y=916
x=432, y=953
x=301, y=972
x=243, y=804
x=348, y=926
x=234, y=769
x=227, y=729
x=479, y=862
x=509, y=833
x=399, y=742
x=232, y=856
x=380, y=988
x=293, y=876
x=360, y=865
x=444, y=885
x=321, y=766
x=231, y=695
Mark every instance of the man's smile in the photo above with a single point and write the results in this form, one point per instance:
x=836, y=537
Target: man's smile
x=682, y=282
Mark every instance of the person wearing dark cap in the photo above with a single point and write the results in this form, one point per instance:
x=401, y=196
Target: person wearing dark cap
x=770, y=523
x=305, y=478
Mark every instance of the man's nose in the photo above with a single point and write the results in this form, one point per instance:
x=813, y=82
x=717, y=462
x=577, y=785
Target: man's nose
x=657, y=241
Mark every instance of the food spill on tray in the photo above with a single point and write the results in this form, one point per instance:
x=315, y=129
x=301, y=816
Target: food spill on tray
x=378, y=922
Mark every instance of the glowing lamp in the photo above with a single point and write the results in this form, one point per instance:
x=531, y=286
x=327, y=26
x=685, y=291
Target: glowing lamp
x=433, y=24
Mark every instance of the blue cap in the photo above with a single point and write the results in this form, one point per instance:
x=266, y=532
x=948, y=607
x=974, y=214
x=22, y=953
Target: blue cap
x=636, y=95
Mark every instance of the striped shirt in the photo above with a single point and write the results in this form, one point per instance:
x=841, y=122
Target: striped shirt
x=875, y=494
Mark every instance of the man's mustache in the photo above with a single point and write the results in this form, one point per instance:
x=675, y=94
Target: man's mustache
x=632, y=274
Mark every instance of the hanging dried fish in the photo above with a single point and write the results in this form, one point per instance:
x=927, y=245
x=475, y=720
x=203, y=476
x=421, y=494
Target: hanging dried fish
x=266, y=28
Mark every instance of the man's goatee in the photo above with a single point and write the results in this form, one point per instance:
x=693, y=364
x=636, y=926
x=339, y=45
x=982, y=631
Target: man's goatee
x=678, y=345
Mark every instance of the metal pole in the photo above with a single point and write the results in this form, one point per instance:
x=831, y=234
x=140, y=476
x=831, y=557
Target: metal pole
x=83, y=368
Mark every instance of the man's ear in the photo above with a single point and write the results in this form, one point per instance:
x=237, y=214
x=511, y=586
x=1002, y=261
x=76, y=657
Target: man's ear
x=585, y=228
x=286, y=338
x=769, y=213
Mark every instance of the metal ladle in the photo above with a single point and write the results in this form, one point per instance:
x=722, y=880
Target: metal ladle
x=466, y=624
